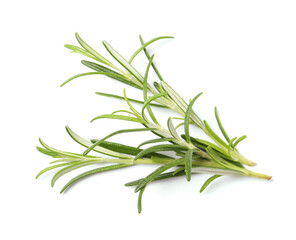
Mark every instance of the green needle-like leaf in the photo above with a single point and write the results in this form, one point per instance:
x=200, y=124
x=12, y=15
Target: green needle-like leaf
x=160, y=148
x=130, y=99
x=89, y=49
x=150, y=99
x=207, y=182
x=159, y=177
x=145, y=45
x=115, y=76
x=239, y=140
x=110, y=73
x=156, y=141
x=118, y=117
x=121, y=148
x=187, y=117
x=148, y=57
x=53, y=167
x=70, y=168
x=140, y=200
x=223, y=162
x=172, y=129
x=231, y=145
x=221, y=126
x=115, y=133
x=62, y=153
x=99, y=149
x=98, y=67
x=145, y=89
x=91, y=172
x=188, y=164
x=157, y=172
x=79, y=75
x=123, y=62
x=48, y=152
x=178, y=171
x=79, y=50
x=214, y=135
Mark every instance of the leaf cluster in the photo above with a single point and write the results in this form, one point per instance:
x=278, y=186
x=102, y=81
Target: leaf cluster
x=182, y=154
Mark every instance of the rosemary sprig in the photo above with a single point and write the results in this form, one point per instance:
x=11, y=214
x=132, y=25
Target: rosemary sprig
x=190, y=155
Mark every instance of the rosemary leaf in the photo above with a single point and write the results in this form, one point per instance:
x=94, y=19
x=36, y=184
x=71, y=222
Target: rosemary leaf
x=118, y=117
x=221, y=126
x=145, y=45
x=187, y=117
x=70, y=168
x=115, y=133
x=157, y=172
x=91, y=172
x=123, y=62
x=208, y=181
x=188, y=164
x=130, y=99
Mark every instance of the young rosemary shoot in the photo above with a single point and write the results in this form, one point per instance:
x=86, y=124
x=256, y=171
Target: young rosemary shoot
x=187, y=154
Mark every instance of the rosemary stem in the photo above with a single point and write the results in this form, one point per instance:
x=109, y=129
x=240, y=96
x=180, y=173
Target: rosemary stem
x=258, y=175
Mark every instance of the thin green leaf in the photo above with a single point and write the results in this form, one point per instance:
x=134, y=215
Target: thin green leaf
x=61, y=153
x=160, y=148
x=145, y=88
x=123, y=62
x=222, y=161
x=172, y=128
x=121, y=148
x=156, y=141
x=207, y=182
x=174, y=96
x=69, y=169
x=94, y=171
x=221, y=126
x=79, y=50
x=219, y=160
x=207, y=143
x=187, y=118
x=145, y=45
x=179, y=125
x=159, y=177
x=179, y=170
x=47, y=152
x=115, y=133
x=230, y=145
x=148, y=57
x=214, y=135
x=140, y=200
x=157, y=172
x=130, y=99
x=239, y=140
x=99, y=149
x=98, y=67
x=53, y=167
x=197, y=143
x=110, y=73
x=152, y=98
x=131, y=106
x=79, y=75
x=118, y=117
x=123, y=111
x=188, y=164
x=89, y=49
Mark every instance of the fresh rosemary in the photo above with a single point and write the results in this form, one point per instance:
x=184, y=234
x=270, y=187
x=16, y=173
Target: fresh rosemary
x=191, y=155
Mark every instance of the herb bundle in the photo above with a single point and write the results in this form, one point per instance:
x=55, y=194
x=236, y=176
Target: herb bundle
x=176, y=154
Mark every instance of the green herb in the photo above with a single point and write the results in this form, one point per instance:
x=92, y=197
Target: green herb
x=187, y=154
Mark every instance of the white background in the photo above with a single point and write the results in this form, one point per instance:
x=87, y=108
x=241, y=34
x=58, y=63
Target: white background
x=241, y=54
